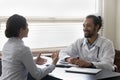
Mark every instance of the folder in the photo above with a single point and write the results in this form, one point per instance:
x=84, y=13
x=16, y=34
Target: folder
x=83, y=70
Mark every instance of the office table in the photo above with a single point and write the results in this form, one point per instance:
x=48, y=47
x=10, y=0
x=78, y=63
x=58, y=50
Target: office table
x=103, y=75
x=60, y=73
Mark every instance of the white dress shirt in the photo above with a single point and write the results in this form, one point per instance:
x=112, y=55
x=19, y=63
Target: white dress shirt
x=17, y=61
x=101, y=54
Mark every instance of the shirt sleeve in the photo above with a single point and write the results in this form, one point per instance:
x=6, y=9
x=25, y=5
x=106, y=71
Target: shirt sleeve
x=37, y=73
x=106, y=57
x=70, y=51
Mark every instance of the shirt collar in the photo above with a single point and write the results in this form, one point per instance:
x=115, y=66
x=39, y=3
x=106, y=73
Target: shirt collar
x=97, y=42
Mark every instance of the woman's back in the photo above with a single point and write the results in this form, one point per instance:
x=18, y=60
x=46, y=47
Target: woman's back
x=11, y=60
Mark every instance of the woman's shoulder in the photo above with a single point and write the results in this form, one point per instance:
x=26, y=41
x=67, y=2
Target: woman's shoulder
x=25, y=48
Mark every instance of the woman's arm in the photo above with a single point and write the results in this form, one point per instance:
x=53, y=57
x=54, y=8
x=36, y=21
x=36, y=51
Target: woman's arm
x=30, y=65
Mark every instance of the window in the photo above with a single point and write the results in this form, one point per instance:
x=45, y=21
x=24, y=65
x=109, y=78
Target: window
x=52, y=23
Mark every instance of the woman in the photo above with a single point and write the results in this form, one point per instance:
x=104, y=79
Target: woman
x=17, y=59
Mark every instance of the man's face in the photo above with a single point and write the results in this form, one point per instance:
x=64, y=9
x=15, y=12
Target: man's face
x=89, y=28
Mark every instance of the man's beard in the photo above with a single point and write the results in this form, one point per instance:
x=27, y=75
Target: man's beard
x=88, y=36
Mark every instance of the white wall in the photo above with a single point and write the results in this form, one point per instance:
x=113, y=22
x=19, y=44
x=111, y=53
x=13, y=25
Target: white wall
x=109, y=14
x=117, y=34
x=112, y=21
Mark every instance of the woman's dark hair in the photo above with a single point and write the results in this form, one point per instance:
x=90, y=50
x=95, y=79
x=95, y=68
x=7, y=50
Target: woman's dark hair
x=14, y=24
x=96, y=19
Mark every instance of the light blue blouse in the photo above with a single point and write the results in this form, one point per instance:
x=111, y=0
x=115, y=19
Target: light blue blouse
x=17, y=61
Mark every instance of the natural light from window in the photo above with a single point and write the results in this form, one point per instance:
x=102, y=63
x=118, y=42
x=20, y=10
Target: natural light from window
x=49, y=34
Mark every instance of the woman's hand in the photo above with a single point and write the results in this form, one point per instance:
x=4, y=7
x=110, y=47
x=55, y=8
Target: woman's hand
x=55, y=57
x=40, y=60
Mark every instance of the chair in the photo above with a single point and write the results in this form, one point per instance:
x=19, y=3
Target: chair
x=0, y=68
x=117, y=60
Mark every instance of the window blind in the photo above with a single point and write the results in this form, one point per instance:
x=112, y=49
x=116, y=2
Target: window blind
x=52, y=23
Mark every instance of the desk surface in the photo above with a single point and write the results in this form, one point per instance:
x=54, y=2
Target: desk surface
x=62, y=74
x=103, y=75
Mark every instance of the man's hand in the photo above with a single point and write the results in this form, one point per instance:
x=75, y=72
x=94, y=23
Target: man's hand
x=83, y=63
x=40, y=60
x=79, y=62
x=71, y=60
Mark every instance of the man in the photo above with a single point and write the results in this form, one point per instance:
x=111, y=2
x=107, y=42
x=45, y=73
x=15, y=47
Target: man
x=91, y=51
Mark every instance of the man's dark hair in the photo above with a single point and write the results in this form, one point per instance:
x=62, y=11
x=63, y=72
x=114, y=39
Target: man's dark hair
x=96, y=19
x=14, y=24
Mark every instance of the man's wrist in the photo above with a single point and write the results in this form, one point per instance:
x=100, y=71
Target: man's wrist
x=92, y=65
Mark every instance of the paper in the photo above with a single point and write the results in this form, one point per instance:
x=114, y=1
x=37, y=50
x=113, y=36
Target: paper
x=65, y=64
x=83, y=70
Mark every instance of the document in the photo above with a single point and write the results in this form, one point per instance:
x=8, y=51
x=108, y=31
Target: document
x=83, y=70
x=65, y=64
